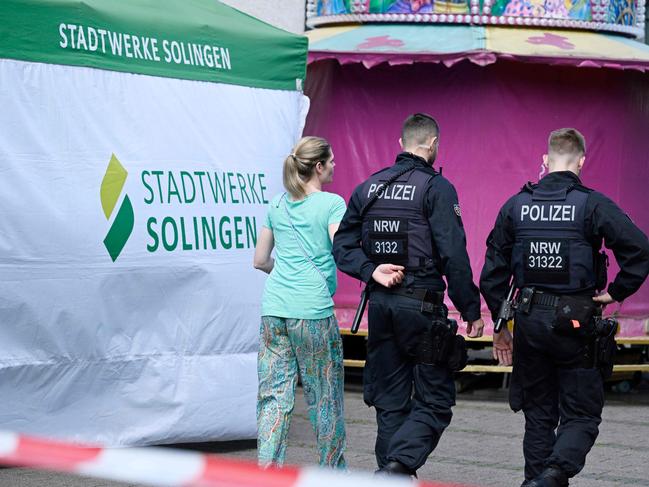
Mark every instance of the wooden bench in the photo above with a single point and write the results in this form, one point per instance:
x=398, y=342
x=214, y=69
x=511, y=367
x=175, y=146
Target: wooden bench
x=620, y=368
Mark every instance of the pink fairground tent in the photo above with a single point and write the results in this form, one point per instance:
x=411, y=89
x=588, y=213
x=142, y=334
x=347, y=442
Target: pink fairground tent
x=496, y=99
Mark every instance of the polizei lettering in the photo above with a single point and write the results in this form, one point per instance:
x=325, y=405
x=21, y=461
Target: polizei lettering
x=548, y=213
x=402, y=192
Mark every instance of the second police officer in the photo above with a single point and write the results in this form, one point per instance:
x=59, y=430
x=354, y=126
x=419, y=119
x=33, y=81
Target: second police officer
x=548, y=237
x=401, y=233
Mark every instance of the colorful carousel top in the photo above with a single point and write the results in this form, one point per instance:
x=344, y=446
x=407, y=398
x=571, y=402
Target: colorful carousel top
x=620, y=16
x=373, y=44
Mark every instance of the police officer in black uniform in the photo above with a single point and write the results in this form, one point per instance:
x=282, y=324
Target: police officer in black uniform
x=549, y=237
x=401, y=233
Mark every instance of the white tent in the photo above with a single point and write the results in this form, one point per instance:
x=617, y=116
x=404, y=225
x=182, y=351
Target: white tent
x=140, y=142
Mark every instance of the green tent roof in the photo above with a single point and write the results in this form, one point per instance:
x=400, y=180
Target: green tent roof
x=189, y=39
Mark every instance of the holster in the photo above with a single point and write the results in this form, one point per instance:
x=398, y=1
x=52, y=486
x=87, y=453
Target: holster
x=442, y=346
x=459, y=356
x=605, y=347
x=524, y=300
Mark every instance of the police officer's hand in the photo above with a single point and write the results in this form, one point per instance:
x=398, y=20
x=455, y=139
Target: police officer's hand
x=604, y=299
x=388, y=275
x=503, y=346
x=474, y=328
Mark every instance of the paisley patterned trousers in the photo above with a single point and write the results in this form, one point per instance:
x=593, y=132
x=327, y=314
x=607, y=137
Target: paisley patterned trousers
x=313, y=349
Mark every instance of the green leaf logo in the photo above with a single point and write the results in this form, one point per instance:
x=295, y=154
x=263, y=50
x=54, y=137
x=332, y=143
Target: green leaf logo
x=111, y=188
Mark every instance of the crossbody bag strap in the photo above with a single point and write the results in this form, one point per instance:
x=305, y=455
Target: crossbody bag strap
x=296, y=236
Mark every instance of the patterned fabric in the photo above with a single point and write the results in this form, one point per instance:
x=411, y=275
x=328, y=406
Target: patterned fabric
x=314, y=349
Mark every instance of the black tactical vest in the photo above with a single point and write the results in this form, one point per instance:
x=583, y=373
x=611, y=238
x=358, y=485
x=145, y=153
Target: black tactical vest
x=550, y=250
x=395, y=229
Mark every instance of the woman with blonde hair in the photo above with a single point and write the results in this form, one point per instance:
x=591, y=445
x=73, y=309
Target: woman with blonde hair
x=299, y=332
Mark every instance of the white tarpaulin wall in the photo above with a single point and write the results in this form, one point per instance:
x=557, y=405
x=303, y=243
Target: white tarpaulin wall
x=159, y=345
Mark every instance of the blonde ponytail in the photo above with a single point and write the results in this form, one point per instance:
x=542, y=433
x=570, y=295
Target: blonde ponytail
x=300, y=164
x=292, y=181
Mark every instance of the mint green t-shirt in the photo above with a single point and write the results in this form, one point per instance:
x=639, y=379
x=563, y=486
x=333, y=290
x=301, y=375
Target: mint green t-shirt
x=294, y=289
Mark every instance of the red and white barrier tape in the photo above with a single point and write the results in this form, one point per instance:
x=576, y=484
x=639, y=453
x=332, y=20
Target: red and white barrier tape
x=175, y=468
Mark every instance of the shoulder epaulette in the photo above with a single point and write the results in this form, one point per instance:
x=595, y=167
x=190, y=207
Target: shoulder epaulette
x=582, y=188
x=529, y=187
x=429, y=170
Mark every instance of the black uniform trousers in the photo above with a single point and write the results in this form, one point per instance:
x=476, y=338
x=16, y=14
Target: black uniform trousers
x=409, y=422
x=562, y=401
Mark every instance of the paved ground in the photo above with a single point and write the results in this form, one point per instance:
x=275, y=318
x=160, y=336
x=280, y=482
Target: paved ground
x=482, y=447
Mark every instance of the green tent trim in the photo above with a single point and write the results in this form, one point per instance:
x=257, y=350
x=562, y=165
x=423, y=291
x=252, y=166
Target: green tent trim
x=188, y=39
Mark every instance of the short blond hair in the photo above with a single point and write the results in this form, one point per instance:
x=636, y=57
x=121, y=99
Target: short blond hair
x=567, y=142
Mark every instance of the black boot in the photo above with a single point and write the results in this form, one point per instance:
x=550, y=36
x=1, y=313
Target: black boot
x=550, y=477
x=396, y=468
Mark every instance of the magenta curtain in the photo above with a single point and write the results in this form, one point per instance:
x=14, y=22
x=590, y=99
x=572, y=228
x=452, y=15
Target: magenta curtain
x=494, y=125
